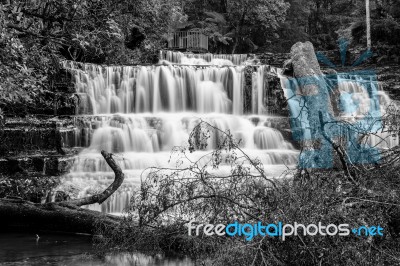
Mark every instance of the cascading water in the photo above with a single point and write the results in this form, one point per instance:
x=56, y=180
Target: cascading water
x=140, y=113
x=203, y=59
x=356, y=102
x=258, y=91
x=127, y=89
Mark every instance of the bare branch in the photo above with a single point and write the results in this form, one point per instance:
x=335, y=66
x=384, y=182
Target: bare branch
x=100, y=198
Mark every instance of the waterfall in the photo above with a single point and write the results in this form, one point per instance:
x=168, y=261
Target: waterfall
x=203, y=59
x=140, y=113
x=258, y=91
x=131, y=89
x=359, y=95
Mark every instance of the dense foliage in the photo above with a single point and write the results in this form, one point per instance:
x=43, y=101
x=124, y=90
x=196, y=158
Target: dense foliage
x=274, y=26
x=32, y=188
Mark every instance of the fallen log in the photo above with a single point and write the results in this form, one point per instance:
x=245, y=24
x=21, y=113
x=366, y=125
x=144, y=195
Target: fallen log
x=66, y=216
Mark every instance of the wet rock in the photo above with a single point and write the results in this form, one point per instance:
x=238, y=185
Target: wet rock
x=255, y=120
x=275, y=100
x=84, y=104
x=247, y=94
x=3, y=166
x=38, y=164
x=288, y=67
x=61, y=196
x=329, y=71
x=58, y=165
x=14, y=166
x=275, y=59
x=23, y=139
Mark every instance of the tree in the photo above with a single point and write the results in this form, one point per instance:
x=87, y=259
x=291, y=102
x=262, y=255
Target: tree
x=368, y=21
x=236, y=26
x=246, y=16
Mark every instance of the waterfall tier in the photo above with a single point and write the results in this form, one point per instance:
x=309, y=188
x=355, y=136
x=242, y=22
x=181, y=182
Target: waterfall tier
x=140, y=142
x=130, y=89
x=140, y=113
x=203, y=59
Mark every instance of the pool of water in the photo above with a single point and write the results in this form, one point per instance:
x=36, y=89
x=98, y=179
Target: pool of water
x=69, y=249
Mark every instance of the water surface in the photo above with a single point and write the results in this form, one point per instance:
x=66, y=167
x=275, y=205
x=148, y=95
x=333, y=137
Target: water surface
x=69, y=249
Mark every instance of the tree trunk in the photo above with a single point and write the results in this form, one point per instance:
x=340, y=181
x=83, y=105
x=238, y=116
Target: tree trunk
x=239, y=30
x=314, y=89
x=64, y=216
x=51, y=216
x=235, y=45
x=368, y=21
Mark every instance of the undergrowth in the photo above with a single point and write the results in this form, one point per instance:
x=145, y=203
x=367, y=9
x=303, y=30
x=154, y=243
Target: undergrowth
x=166, y=201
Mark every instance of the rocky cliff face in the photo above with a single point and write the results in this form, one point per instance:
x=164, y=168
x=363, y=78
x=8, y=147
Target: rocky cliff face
x=274, y=98
x=389, y=78
x=33, y=146
x=273, y=59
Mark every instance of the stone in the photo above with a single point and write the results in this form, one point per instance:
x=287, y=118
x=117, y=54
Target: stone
x=55, y=166
x=288, y=67
x=3, y=166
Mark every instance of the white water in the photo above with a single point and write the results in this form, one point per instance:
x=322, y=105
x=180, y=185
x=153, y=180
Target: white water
x=140, y=113
x=141, y=141
x=203, y=59
x=258, y=91
x=131, y=89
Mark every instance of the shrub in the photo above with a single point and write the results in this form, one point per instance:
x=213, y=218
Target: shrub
x=34, y=189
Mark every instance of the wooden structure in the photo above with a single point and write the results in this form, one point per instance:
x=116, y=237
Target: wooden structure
x=189, y=41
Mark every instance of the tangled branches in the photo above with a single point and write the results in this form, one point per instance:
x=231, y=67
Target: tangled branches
x=218, y=185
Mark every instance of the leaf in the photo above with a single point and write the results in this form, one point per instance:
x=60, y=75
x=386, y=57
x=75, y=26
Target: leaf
x=215, y=17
